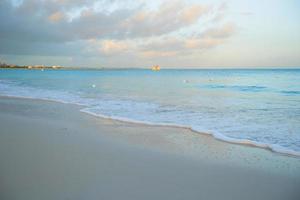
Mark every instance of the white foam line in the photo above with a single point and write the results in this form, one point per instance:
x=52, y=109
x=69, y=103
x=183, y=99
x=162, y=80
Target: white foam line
x=216, y=135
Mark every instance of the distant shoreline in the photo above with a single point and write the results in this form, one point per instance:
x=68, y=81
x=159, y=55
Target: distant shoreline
x=29, y=67
x=102, y=68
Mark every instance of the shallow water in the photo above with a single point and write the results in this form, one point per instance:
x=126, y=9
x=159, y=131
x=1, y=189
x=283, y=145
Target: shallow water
x=260, y=107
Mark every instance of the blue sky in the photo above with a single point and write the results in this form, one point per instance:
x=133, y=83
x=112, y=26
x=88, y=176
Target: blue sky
x=171, y=33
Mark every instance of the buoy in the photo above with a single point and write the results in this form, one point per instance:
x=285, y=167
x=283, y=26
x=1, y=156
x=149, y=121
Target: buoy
x=93, y=85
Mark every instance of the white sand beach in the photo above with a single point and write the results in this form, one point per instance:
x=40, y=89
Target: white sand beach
x=51, y=150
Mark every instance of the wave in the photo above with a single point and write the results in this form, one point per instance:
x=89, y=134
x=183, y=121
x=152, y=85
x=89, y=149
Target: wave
x=272, y=147
x=89, y=104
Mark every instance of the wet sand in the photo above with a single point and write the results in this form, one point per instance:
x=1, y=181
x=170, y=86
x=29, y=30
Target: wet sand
x=51, y=150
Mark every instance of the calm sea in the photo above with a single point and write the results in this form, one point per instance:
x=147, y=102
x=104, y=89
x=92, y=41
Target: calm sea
x=261, y=107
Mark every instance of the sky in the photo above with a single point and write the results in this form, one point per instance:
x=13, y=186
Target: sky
x=142, y=33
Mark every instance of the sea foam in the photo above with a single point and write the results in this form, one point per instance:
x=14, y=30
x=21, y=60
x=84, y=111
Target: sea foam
x=223, y=111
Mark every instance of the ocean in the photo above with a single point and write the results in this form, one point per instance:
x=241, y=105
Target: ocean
x=259, y=107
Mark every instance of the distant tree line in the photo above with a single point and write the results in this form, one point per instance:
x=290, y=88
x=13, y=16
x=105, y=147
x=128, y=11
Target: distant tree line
x=5, y=65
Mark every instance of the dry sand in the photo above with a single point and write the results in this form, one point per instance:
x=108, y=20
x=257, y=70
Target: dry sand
x=52, y=151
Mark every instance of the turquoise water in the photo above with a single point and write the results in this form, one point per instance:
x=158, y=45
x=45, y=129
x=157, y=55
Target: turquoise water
x=261, y=107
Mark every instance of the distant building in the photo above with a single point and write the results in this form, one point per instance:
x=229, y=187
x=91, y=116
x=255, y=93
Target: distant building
x=56, y=67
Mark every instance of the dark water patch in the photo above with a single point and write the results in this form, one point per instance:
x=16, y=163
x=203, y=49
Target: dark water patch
x=290, y=92
x=241, y=88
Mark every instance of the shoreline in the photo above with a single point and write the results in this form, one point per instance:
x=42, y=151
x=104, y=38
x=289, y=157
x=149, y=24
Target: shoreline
x=50, y=150
x=276, y=149
x=216, y=136
x=187, y=148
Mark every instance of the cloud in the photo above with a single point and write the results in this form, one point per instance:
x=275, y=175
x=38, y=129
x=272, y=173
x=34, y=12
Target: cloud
x=44, y=18
x=56, y=16
x=182, y=46
x=103, y=28
x=219, y=12
x=113, y=47
x=169, y=17
x=219, y=32
x=153, y=54
x=208, y=39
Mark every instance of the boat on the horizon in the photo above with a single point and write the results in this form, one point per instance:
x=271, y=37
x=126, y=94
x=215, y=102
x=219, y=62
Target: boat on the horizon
x=155, y=68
